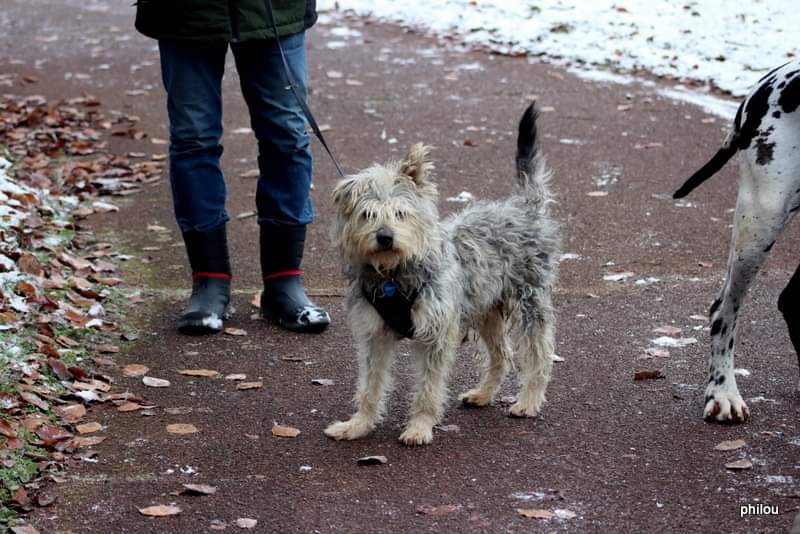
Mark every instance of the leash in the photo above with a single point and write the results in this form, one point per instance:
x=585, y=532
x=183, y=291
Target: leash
x=293, y=86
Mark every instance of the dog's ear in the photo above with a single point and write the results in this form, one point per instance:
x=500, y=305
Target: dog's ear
x=416, y=164
x=343, y=192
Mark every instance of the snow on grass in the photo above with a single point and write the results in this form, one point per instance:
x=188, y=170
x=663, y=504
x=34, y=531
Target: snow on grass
x=728, y=44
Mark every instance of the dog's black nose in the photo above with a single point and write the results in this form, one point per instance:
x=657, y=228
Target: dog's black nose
x=385, y=238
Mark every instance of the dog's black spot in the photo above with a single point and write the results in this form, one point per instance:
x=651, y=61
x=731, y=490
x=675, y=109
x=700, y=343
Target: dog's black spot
x=789, y=100
x=730, y=344
x=764, y=151
x=720, y=380
x=714, y=307
x=794, y=209
x=715, y=327
x=709, y=397
x=769, y=247
x=756, y=108
x=724, y=329
x=776, y=114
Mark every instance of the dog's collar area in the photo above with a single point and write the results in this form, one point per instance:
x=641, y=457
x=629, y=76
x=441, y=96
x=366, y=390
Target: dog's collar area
x=393, y=305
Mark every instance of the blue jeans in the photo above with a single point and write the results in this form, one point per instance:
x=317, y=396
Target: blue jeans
x=192, y=76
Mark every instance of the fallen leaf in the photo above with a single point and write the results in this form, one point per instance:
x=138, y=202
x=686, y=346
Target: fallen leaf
x=656, y=352
x=182, y=428
x=199, y=489
x=730, y=445
x=154, y=382
x=88, y=428
x=438, y=511
x=135, y=370
x=238, y=376
x=285, y=431
x=252, y=173
x=666, y=341
x=160, y=510
x=250, y=385
x=372, y=460
x=256, y=300
x=71, y=413
x=668, y=330
x=535, y=513
x=245, y=522
x=648, y=375
x=597, y=193
x=89, y=441
x=198, y=372
x=739, y=465
x=235, y=331
x=564, y=514
x=322, y=382
x=24, y=529
x=44, y=499
x=129, y=407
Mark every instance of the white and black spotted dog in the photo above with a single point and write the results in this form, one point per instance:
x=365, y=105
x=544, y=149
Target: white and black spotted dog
x=491, y=268
x=766, y=131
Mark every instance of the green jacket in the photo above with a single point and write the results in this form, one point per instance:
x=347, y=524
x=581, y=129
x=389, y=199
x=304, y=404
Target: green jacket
x=215, y=21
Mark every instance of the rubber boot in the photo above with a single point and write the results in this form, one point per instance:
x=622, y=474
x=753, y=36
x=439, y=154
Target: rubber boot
x=284, y=299
x=211, y=282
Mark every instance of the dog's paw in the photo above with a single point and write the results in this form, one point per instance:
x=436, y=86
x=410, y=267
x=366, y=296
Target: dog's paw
x=417, y=434
x=724, y=406
x=346, y=430
x=519, y=409
x=475, y=397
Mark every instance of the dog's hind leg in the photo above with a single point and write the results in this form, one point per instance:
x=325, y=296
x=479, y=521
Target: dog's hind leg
x=493, y=333
x=789, y=305
x=433, y=367
x=375, y=356
x=762, y=210
x=535, y=346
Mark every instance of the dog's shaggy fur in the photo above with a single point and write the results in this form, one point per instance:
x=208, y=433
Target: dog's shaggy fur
x=766, y=132
x=490, y=268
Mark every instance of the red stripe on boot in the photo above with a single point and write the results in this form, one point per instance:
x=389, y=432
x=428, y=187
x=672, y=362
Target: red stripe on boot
x=224, y=276
x=281, y=274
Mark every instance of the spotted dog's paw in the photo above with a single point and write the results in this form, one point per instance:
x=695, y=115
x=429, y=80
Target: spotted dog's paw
x=724, y=405
x=347, y=430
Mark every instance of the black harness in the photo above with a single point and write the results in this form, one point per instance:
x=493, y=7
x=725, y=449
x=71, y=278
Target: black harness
x=393, y=305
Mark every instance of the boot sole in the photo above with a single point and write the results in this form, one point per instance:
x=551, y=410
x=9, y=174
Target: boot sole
x=294, y=327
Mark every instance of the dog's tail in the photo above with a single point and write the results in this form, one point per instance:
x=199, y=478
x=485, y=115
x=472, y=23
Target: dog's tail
x=729, y=149
x=532, y=172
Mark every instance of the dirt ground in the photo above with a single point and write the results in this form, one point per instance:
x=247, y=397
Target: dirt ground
x=621, y=455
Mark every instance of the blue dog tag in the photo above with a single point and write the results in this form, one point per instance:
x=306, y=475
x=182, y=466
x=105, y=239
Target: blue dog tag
x=389, y=289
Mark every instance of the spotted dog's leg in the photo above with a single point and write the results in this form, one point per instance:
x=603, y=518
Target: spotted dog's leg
x=789, y=305
x=762, y=211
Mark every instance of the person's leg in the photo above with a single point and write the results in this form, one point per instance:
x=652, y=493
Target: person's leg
x=192, y=77
x=284, y=160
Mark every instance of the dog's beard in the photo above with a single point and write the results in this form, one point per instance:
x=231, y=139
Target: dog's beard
x=384, y=261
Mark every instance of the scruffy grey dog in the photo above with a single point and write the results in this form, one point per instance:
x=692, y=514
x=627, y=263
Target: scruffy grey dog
x=766, y=133
x=490, y=268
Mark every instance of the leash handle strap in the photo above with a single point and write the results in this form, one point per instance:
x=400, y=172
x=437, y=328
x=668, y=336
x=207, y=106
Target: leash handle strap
x=293, y=85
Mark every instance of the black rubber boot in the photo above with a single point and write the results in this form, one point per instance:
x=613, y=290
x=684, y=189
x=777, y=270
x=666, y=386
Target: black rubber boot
x=284, y=299
x=211, y=282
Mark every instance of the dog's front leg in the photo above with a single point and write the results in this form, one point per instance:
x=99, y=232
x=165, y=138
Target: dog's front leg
x=433, y=364
x=375, y=355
